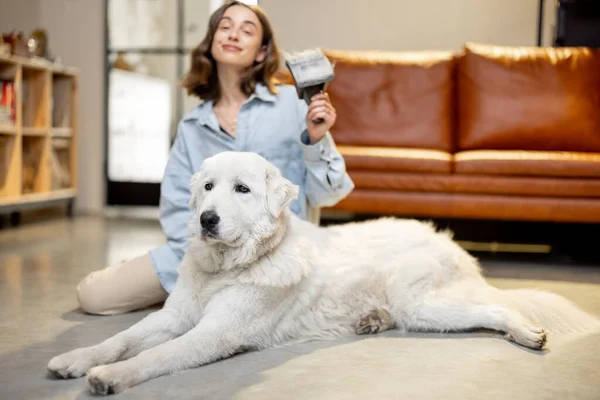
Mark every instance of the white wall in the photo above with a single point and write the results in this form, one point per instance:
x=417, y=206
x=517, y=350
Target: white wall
x=549, y=25
x=76, y=35
x=402, y=24
x=19, y=15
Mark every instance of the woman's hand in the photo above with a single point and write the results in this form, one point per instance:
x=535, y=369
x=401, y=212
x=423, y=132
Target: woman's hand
x=319, y=107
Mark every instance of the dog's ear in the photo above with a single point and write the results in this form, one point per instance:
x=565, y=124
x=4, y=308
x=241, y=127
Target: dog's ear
x=194, y=189
x=280, y=191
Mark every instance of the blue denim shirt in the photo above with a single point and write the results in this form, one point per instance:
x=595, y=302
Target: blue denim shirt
x=272, y=125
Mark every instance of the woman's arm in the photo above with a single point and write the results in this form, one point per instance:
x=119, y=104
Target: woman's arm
x=174, y=211
x=327, y=181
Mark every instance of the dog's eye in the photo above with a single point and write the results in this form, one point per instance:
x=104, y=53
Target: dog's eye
x=242, y=189
x=208, y=186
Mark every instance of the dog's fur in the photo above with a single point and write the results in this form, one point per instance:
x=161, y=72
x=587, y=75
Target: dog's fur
x=261, y=277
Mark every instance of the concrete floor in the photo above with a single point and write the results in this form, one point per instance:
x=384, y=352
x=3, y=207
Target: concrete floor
x=41, y=264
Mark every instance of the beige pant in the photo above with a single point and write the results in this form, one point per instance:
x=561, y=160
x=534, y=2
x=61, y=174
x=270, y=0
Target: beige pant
x=121, y=288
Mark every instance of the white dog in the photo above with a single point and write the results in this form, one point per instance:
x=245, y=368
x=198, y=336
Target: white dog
x=256, y=276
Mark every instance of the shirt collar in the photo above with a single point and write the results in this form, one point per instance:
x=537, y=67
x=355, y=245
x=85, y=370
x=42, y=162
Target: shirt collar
x=262, y=92
x=203, y=112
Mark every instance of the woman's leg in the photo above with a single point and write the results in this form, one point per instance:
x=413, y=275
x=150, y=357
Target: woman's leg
x=121, y=288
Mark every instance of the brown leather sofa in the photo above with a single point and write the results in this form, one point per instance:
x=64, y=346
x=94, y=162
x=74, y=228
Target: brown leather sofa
x=496, y=133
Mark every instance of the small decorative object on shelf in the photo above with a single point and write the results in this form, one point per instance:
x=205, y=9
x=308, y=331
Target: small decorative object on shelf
x=37, y=43
x=17, y=43
x=4, y=47
x=35, y=47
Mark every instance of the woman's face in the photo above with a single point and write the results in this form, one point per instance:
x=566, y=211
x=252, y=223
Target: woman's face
x=237, y=40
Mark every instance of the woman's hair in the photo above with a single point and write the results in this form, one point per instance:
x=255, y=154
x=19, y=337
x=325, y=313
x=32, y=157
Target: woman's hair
x=202, y=81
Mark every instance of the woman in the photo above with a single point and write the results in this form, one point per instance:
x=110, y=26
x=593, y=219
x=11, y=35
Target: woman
x=233, y=73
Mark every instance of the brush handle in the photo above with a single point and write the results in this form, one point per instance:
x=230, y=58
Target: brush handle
x=308, y=93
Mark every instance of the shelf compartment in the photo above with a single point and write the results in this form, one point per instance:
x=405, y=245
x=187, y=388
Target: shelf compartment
x=63, y=87
x=61, y=164
x=8, y=69
x=36, y=98
x=35, y=165
x=10, y=165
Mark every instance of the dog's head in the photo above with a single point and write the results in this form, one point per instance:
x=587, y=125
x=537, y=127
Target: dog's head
x=238, y=197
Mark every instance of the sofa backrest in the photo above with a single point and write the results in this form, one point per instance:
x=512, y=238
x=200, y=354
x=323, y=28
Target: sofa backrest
x=528, y=98
x=486, y=97
x=401, y=99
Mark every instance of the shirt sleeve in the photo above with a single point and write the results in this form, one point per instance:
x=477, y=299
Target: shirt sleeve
x=174, y=212
x=327, y=181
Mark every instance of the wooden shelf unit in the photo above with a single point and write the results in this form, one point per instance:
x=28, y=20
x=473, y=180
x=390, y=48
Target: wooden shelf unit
x=38, y=157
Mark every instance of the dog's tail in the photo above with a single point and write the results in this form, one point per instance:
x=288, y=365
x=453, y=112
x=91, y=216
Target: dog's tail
x=551, y=311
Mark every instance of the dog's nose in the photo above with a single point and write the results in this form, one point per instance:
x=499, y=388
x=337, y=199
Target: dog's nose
x=209, y=219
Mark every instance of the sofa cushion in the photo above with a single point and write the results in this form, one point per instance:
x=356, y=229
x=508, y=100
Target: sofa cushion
x=476, y=184
x=525, y=186
x=529, y=98
x=457, y=205
x=401, y=181
x=531, y=163
x=399, y=99
x=396, y=159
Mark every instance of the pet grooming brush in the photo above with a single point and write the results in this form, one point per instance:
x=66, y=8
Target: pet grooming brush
x=311, y=71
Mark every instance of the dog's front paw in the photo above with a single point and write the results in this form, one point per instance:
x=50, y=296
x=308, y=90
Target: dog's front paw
x=374, y=322
x=530, y=336
x=73, y=364
x=104, y=380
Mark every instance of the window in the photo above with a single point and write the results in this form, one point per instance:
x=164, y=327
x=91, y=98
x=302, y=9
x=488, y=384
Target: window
x=146, y=54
